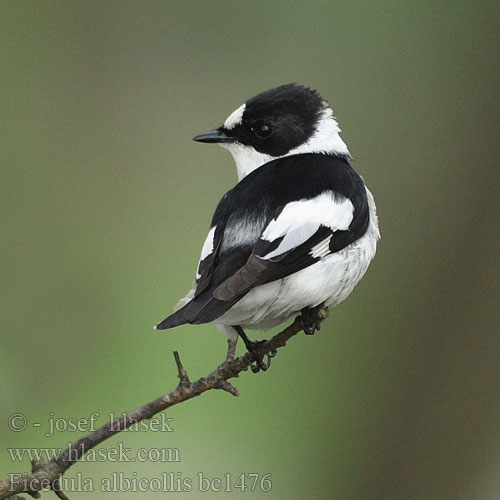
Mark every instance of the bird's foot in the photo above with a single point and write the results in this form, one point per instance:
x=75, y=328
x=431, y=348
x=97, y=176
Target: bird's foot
x=260, y=364
x=312, y=317
x=253, y=347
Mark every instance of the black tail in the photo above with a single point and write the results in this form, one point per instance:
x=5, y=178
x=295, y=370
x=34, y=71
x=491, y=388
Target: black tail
x=202, y=309
x=173, y=320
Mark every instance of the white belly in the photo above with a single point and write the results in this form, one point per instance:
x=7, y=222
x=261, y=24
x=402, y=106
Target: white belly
x=329, y=280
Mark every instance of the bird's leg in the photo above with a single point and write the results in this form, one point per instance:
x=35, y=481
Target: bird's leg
x=312, y=317
x=252, y=347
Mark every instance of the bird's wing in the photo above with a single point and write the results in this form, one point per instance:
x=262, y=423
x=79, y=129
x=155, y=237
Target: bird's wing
x=298, y=235
x=208, y=257
x=320, y=208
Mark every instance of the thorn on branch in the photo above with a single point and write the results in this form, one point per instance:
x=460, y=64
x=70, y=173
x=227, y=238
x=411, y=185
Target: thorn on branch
x=323, y=312
x=226, y=386
x=36, y=464
x=231, y=349
x=56, y=488
x=182, y=373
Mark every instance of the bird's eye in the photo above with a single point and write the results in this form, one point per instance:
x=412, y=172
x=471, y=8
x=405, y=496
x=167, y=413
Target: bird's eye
x=263, y=130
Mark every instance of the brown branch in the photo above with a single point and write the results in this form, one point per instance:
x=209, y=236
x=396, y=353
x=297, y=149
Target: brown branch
x=44, y=475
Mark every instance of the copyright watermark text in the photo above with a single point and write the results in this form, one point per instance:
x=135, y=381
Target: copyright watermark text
x=18, y=422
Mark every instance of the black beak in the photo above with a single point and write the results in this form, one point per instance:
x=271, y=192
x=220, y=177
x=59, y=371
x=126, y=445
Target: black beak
x=216, y=136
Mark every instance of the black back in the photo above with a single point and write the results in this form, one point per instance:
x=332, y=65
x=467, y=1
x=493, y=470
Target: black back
x=233, y=269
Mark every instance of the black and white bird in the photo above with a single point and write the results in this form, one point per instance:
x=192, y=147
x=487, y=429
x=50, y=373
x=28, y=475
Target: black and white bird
x=298, y=230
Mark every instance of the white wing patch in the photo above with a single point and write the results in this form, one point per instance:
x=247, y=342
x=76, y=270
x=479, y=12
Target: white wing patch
x=208, y=248
x=321, y=249
x=299, y=220
x=235, y=118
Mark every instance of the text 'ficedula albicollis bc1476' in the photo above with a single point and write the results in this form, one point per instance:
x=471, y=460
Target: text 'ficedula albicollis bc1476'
x=298, y=230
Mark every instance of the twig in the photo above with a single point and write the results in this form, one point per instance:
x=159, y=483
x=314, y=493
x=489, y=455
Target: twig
x=183, y=376
x=50, y=473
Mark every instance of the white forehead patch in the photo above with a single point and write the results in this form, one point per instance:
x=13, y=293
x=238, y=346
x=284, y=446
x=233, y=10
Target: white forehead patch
x=235, y=118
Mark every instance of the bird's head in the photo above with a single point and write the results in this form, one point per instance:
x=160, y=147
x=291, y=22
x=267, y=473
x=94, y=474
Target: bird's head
x=290, y=119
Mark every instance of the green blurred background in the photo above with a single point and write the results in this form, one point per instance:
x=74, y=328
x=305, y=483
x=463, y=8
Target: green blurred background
x=106, y=202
